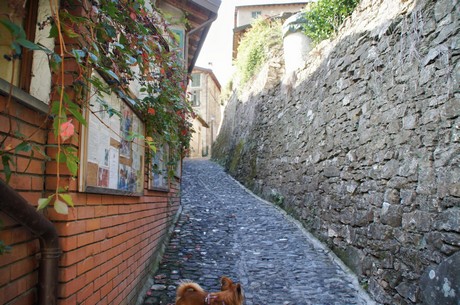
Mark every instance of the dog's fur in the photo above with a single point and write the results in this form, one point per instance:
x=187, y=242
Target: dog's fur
x=190, y=293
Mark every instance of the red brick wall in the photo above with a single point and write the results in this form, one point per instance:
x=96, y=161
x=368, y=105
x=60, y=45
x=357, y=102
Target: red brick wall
x=108, y=241
x=18, y=276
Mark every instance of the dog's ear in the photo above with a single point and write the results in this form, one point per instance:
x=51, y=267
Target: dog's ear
x=238, y=289
x=226, y=283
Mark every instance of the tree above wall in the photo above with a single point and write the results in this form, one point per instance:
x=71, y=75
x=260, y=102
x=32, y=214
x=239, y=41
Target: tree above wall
x=323, y=18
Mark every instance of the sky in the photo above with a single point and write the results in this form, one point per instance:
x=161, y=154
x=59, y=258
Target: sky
x=217, y=48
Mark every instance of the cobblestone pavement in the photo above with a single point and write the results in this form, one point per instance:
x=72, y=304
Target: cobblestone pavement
x=225, y=230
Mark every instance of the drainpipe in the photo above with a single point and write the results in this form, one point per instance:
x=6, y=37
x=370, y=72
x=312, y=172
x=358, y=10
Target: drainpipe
x=187, y=36
x=13, y=204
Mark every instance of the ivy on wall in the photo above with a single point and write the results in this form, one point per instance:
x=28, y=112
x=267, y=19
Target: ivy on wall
x=255, y=46
x=126, y=43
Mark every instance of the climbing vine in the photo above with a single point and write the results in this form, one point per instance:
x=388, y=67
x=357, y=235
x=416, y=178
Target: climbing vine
x=255, y=46
x=123, y=41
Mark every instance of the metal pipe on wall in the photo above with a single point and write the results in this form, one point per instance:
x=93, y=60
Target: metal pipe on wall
x=15, y=206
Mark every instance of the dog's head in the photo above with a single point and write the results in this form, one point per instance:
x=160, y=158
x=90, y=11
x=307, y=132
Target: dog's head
x=226, y=283
x=231, y=293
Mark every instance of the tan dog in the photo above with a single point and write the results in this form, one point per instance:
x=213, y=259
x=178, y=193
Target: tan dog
x=190, y=293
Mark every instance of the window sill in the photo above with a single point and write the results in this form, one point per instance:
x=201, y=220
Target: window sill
x=22, y=97
x=159, y=189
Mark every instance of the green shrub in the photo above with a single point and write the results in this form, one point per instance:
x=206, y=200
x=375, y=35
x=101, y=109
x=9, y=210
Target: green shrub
x=325, y=17
x=255, y=45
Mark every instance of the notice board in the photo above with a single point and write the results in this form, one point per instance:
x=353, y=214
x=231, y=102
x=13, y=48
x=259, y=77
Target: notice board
x=112, y=158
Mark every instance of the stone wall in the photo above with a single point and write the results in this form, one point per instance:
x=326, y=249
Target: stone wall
x=363, y=146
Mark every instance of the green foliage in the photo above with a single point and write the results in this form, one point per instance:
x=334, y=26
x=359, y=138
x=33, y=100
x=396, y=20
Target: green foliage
x=125, y=43
x=236, y=156
x=277, y=197
x=324, y=17
x=8, y=153
x=126, y=38
x=255, y=45
x=226, y=93
x=19, y=38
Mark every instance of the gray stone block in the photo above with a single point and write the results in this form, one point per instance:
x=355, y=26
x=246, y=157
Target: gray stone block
x=441, y=285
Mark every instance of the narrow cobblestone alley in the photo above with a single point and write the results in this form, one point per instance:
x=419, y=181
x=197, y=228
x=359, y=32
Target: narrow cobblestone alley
x=225, y=230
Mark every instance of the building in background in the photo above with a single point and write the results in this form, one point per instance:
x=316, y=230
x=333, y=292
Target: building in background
x=204, y=90
x=247, y=11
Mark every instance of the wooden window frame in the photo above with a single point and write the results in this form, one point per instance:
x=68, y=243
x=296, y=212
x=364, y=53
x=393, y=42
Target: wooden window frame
x=30, y=24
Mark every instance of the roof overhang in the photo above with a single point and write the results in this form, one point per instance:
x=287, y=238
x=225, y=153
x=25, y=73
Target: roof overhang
x=211, y=5
x=200, y=15
x=270, y=3
x=203, y=122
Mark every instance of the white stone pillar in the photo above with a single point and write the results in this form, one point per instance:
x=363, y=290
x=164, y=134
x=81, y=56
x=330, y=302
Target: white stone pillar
x=296, y=44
